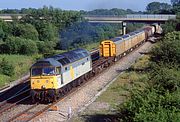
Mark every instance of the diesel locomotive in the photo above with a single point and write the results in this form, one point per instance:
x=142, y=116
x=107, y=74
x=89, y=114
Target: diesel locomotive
x=52, y=77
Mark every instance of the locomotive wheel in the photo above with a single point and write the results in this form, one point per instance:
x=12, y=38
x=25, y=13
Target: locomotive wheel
x=86, y=77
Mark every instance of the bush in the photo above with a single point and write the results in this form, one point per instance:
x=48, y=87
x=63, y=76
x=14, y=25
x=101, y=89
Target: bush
x=29, y=47
x=26, y=31
x=16, y=45
x=45, y=47
x=6, y=67
x=168, y=51
x=150, y=106
x=169, y=26
x=160, y=101
x=165, y=77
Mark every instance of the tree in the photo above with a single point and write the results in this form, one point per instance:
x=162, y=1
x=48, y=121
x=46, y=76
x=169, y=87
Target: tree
x=47, y=32
x=26, y=31
x=28, y=47
x=17, y=45
x=45, y=46
x=175, y=2
x=169, y=50
x=157, y=7
x=1, y=33
x=169, y=26
x=3, y=29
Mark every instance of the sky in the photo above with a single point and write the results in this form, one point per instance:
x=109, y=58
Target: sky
x=137, y=5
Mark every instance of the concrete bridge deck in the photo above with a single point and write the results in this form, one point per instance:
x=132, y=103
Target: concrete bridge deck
x=109, y=19
x=130, y=18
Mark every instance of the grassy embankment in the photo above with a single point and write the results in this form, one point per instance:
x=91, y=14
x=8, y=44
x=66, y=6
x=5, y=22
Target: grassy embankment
x=91, y=46
x=128, y=80
x=21, y=64
x=118, y=91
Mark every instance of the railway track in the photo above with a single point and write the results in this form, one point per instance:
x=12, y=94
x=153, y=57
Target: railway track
x=14, y=84
x=14, y=101
x=35, y=110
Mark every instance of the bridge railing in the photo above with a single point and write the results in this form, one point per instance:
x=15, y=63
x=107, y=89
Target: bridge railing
x=13, y=14
x=136, y=16
x=151, y=16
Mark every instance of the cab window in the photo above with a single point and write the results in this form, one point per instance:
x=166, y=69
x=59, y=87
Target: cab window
x=58, y=70
x=48, y=71
x=36, y=71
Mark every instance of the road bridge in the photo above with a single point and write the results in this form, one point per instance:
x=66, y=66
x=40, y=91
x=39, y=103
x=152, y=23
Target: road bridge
x=158, y=18
x=143, y=18
x=10, y=17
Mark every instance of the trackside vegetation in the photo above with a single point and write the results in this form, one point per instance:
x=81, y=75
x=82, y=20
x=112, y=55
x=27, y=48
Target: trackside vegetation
x=160, y=99
x=14, y=67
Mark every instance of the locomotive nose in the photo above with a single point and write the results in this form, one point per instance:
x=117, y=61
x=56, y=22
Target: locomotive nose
x=43, y=83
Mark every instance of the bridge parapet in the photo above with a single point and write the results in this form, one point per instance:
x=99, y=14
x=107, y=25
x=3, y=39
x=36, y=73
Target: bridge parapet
x=132, y=17
x=151, y=16
x=162, y=16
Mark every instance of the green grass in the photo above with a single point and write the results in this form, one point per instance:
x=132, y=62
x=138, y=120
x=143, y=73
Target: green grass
x=4, y=80
x=60, y=51
x=118, y=91
x=21, y=63
x=91, y=46
x=142, y=63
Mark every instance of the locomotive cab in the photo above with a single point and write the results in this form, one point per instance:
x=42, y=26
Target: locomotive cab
x=45, y=77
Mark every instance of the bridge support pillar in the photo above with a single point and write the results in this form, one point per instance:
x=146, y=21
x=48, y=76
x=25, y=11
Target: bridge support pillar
x=124, y=28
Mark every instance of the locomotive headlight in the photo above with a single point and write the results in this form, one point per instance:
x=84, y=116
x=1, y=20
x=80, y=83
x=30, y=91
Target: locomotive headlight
x=32, y=81
x=51, y=80
x=43, y=87
x=47, y=81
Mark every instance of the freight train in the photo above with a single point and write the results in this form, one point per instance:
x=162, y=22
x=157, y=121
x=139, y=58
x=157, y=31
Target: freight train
x=53, y=77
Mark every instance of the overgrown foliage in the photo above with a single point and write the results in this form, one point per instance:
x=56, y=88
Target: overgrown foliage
x=17, y=45
x=160, y=100
x=38, y=30
x=168, y=51
x=171, y=25
x=6, y=67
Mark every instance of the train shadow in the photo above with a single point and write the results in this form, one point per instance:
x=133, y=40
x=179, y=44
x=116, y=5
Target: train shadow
x=11, y=95
x=101, y=118
x=130, y=69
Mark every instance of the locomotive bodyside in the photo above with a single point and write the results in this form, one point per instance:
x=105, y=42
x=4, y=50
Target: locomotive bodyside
x=49, y=76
